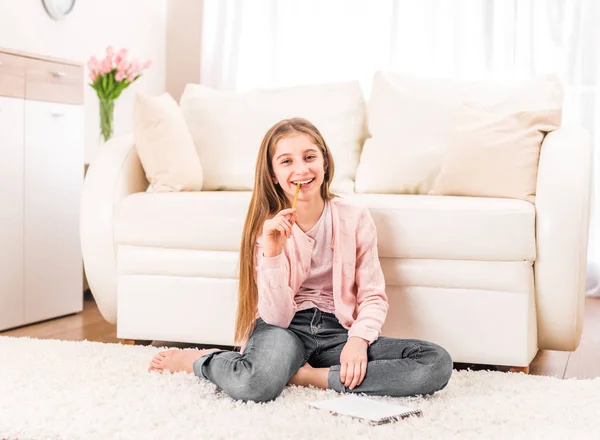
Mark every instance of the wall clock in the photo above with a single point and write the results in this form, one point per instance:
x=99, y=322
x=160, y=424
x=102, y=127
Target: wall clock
x=58, y=9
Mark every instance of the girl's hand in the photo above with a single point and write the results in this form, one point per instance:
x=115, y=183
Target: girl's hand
x=353, y=362
x=278, y=229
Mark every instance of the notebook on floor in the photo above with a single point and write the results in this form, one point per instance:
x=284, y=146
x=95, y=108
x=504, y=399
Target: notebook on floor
x=375, y=412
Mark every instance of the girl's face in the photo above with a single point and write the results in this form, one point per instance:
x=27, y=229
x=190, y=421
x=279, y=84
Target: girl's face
x=298, y=160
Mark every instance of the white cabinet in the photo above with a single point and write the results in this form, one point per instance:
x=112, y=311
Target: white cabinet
x=53, y=179
x=41, y=176
x=11, y=211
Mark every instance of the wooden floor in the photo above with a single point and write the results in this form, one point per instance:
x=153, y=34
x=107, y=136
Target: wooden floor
x=584, y=363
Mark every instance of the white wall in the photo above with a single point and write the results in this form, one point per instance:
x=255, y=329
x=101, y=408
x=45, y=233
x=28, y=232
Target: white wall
x=184, y=32
x=138, y=25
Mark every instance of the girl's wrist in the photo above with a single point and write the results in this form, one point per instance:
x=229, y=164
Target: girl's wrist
x=360, y=339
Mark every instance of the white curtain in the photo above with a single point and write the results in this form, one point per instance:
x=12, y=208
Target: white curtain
x=274, y=43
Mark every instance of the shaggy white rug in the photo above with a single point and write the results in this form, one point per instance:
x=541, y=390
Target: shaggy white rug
x=53, y=389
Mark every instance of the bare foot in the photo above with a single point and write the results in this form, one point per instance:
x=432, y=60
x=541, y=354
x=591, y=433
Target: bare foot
x=177, y=360
x=307, y=375
x=301, y=376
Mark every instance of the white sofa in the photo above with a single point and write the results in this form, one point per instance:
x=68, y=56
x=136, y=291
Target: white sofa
x=491, y=279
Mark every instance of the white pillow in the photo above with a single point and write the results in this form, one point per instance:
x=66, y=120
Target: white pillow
x=228, y=128
x=164, y=145
x=410, y=122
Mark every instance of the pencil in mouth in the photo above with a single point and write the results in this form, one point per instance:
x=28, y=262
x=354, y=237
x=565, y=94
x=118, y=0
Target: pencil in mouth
x=296, y=196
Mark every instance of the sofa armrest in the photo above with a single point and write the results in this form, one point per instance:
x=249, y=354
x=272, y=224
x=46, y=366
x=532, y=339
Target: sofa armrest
x=115, y=172
x=562, y=224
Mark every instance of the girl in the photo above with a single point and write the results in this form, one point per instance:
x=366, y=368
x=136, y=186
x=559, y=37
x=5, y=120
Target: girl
x=312, y=295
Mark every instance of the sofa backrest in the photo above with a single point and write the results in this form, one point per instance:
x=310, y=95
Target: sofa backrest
x=396, y=143
x=228, y=127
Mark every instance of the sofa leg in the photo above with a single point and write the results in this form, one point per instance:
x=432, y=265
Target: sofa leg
x=135, y=342
x=519, y=369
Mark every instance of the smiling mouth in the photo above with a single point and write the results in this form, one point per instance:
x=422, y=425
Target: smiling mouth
x=303, y=182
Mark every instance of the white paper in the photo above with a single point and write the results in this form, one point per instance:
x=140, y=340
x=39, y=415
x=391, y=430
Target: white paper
x=365, y=408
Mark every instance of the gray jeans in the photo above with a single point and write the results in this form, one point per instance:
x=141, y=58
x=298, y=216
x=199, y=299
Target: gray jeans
x=396, y=367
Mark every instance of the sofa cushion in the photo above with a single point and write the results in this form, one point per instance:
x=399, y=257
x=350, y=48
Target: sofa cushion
x=228, y=128
x=410, y=120
x=434, y=227
x=209, y=220
x=495, y=153
x=452, y=228
x=164, y=144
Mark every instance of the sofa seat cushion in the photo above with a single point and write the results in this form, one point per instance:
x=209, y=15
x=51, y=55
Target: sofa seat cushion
x=206, y=220
x=409, y=226
x=452, y=228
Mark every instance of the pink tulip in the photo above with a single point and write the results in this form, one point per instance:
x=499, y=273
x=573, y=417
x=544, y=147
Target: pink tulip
x=116, y=59
x=93, y=63
x=123, y=65
x=121, y=55
x=134, y=68
x=106, y=65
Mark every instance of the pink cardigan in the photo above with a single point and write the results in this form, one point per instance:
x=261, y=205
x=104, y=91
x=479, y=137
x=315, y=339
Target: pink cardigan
x=360, y=300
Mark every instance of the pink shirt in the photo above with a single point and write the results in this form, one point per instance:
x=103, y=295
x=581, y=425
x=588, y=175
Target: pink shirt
x=317, y=289
x=359, y=298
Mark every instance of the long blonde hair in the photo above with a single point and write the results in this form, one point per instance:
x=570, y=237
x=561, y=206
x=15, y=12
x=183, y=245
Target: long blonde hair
x=268, y=198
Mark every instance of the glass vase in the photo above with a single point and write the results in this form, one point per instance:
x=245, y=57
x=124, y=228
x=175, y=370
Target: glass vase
x=107, y=110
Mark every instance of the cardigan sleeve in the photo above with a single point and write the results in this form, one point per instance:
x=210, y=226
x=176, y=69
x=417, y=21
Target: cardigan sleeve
x=371, y=298
x=276, y=304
